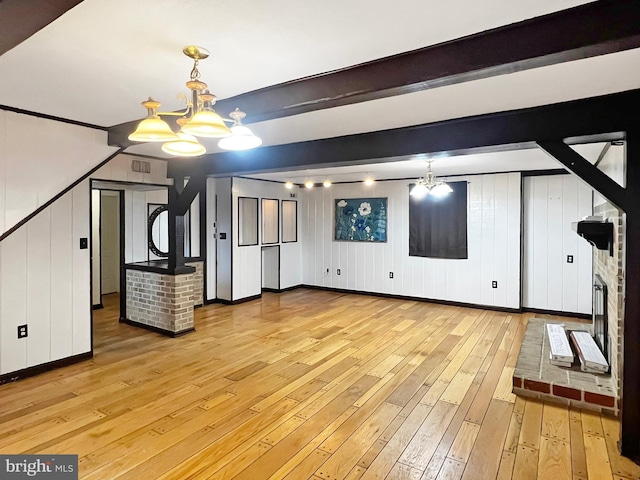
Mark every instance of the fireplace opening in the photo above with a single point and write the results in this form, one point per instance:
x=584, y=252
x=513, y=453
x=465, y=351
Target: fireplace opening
x=600, y=320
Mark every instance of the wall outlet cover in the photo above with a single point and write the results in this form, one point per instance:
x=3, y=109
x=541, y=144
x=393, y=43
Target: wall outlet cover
x=84, y=243
x=338, y=271
x=22, y=331
x=494, y=284
x=569, y=258
x=390, y=274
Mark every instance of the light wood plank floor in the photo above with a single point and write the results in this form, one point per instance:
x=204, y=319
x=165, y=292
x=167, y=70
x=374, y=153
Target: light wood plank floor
x=308, y=385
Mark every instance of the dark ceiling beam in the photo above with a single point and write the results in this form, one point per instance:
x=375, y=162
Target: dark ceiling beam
x=19, y=19
x=597, y=118
x=593, y=29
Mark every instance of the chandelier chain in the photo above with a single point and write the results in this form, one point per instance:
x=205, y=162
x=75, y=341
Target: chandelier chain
x=195, y=73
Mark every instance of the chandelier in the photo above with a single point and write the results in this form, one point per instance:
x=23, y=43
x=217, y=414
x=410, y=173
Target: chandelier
x=199, y=119
x=430, y=185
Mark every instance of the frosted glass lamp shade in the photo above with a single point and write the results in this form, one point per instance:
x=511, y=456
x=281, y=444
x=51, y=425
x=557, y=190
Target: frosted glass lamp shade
x=153, y=129
x=241, y=138
x=206, y=124
x=441, y=190
x=419, y=190
x=186, y=146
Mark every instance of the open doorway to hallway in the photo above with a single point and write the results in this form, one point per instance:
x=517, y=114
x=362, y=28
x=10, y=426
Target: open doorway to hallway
x=107, y=244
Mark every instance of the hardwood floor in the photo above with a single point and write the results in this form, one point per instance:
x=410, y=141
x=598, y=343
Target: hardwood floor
x=308, y=385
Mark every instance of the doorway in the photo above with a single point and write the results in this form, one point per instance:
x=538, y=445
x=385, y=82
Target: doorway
x=271, y=268
x=106, y=244
x=110, y=241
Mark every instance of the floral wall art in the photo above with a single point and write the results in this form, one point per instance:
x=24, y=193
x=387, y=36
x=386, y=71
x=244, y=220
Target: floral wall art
x=361, y=219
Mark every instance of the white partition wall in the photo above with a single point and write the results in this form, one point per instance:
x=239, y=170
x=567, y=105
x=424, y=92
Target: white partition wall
x=550, y=282
x=493, y=246
x=247, y=260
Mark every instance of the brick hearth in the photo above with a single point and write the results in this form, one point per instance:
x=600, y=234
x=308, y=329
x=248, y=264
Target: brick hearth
x=535, y=377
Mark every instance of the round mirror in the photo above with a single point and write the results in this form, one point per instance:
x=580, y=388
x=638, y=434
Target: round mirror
x=158, y=231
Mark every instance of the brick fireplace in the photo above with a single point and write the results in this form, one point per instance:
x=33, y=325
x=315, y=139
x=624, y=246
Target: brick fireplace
x=610, y=269
x=535, y=377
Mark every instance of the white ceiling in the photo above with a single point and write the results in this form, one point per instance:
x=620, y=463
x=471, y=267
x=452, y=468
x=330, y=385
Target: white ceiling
x=97, y=62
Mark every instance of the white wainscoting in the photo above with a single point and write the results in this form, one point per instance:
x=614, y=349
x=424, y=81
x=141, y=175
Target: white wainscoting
x=551, y=203
x=493, y=246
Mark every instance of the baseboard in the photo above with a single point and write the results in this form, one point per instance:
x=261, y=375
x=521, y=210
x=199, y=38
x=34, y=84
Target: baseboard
x=417, y=299
x=584, y=316
x=98, y=306
x=161, y=331
x=45, y=367
x=237, y=302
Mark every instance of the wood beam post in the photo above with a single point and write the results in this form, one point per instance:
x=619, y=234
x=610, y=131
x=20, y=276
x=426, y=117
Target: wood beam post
x=576, y=163
x=630, y=437
x=176, y=226
x=181, y=197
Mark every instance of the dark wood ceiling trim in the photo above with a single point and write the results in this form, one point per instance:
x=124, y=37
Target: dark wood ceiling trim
x=586, y=118
x=589, y=30
x=50, y=117
x=19, y=19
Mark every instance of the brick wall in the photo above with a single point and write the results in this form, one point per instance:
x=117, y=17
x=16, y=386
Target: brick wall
x=159, y=300
x=198, y=283
x=610, y=269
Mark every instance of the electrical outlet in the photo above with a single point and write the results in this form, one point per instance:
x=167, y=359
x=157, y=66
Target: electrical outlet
x=338, y=271
x=390, y=274
x=569, y=258
x=84, y=243
x=494, y=284
x=22, y=331
x=327, y=270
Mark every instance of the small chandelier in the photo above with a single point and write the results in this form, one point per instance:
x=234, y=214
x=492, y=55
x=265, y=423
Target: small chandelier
x=199, y=119
x=430, y=185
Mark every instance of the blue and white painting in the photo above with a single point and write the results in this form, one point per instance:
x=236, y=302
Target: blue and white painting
x=361, y=219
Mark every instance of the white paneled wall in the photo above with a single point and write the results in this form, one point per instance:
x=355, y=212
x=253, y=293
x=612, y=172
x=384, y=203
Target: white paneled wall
x=45, y=278
x=59, y=155
x=247, y=261
x=44, y=283
x=119, y=169
x=493, y=246
x=551, y=203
